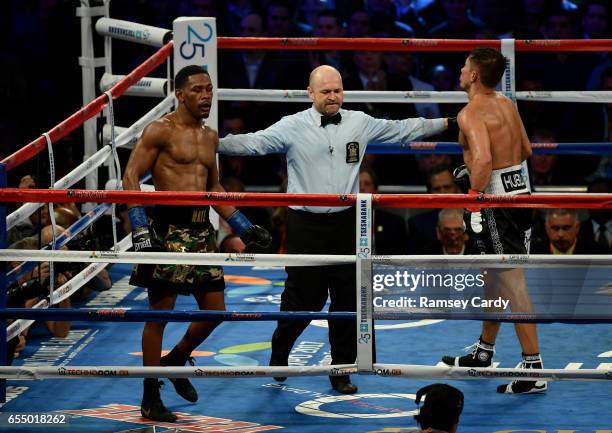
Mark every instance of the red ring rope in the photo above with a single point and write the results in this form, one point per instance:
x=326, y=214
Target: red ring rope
x=591, y=201
x=396, y=44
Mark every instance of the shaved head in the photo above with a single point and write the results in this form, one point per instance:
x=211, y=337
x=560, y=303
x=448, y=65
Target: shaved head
x=321, y=73
x=325, y=89
x=46, y=234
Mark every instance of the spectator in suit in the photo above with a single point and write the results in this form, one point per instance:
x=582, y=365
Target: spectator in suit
x=358, y=25
x=390, y=235
x=402, y=68
x=256, y=170
x=571, y=69
x=256, y=69
x=327, y=25
x=451, y=236
x=595, y=19
x=562, y=227
x=602, y=117
x=543, y=165
x=598, y=228
x=280, y=21
x=422, y=227
x=458, y=24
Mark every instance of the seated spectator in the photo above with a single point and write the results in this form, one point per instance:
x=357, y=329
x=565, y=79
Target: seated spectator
x=34, y=286
x=595, y=19
x=598, y=228
x=458, y=24
x=358, y=25
x=327, y=25
x=402, y=67
x=389, y=235
x=562, y=226
x=422, y=227
x=543, y=166
x=442, y=81
x=442, y=408
x=602, y=116
x=31, y=226
x=27, y=182
x=451, y=235
x=279, y=20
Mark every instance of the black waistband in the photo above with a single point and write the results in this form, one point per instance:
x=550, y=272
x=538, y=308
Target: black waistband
x=181, y=214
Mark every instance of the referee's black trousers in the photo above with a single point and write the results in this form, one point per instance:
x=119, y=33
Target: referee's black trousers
x=307, y=287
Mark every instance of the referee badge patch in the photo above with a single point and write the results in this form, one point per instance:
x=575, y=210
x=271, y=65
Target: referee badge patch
x=352, y=152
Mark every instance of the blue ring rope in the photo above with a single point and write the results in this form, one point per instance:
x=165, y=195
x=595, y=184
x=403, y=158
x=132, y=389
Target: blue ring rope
x=122, y=315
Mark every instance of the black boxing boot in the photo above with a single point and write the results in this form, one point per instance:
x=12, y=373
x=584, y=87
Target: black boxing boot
x=526, y=386
x=343, y=384
x=481, y=356
x=279, y=358
x=183, y=386
x=152, y=407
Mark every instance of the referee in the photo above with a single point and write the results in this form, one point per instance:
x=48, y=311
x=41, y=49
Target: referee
x=324, y=146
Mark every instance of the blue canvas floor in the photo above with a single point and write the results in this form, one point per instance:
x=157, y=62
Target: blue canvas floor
x=307, y=404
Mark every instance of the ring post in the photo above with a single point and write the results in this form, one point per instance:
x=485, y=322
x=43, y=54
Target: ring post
x=3, y=342
x=195, y=43
x=365, y=325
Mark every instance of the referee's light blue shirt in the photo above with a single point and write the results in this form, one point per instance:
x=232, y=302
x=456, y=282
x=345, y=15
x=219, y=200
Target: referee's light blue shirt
x=320, y=159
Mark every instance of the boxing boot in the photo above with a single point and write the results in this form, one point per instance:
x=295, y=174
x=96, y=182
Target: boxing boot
x=481, y=356
x=152, y=407
x=183, y=386
x=526, y=386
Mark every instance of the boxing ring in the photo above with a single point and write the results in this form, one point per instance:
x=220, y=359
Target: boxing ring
x=98, y=351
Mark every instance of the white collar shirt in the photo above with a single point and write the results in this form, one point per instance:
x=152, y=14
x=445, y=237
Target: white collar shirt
x=326, y=160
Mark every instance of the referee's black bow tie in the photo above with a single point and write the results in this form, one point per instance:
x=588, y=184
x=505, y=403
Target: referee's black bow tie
x=326, y=120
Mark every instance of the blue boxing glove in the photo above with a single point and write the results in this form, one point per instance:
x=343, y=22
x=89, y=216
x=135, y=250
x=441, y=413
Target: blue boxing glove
x=256, y=239
x=144, y=238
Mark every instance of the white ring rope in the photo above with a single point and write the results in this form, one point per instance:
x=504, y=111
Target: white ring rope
x=219, y=259
x=156, y=87
x=396, y=370
x=51, y=211
x=444, y=372
x=70, y=372
x=420, y=96
x=233, y=259
x=113, y=144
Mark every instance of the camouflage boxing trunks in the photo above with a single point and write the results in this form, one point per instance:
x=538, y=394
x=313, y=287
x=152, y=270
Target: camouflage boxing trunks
x=182, y=230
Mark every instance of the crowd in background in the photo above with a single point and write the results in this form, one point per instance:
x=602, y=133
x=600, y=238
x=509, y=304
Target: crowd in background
x=40, y=69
